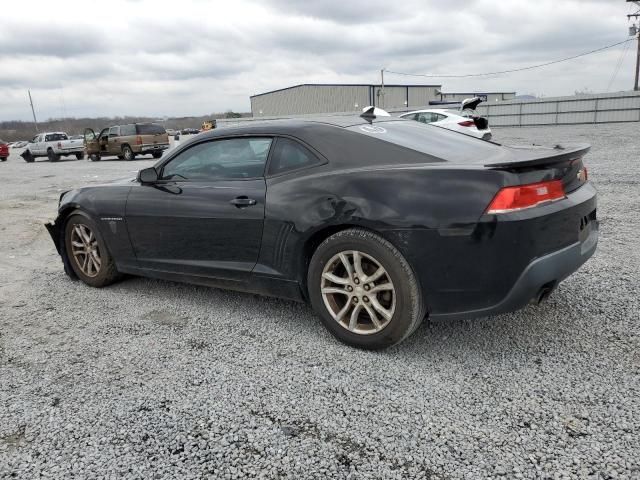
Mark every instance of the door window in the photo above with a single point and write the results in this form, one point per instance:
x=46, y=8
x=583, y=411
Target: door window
x=113, y=131
x=427, y=117
x=289, y=155
x=234, y=158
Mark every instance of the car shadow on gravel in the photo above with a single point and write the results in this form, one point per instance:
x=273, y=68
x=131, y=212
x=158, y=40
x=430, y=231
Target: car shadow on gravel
x=531, y=331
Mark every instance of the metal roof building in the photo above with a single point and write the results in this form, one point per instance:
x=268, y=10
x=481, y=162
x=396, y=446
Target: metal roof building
x=332, y=98
x=310, y=98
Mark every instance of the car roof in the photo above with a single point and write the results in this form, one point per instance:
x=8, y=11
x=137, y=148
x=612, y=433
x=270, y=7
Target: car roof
x=290, y=125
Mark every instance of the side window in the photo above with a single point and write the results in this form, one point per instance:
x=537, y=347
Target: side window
x=113, y=131
x=233, y=158
x=424, y=117
x=290, y=155
x=438, y=117
x=127, y=130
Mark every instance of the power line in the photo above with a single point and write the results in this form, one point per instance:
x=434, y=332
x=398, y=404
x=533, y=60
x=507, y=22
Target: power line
x=614, y=75
x=531, y=67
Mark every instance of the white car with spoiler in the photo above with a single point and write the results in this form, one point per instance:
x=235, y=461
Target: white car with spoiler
x=465, y=120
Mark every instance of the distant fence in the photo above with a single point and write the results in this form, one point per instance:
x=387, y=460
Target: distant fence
x=579, y=109
x=593, y=108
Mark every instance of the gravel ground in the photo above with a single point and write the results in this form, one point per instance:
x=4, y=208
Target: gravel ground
x=156, y=379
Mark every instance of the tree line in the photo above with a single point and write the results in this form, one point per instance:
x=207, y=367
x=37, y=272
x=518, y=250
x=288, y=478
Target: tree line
x=16, y=130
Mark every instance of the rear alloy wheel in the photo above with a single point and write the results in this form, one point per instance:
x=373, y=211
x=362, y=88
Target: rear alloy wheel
x=53, y=157
x=364, y=290
x=127, y=153
x=87, y=252
x=358, y=292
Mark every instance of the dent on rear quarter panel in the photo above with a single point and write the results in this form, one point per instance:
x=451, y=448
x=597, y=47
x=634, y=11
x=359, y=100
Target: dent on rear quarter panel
x=393, y=202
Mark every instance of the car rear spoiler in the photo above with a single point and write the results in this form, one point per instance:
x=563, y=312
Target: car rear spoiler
x=536, y=155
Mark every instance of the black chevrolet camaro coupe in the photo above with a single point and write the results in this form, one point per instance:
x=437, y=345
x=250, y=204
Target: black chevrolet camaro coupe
x=377, y=222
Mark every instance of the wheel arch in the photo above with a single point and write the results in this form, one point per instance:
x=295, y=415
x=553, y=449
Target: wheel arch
x=313, y=241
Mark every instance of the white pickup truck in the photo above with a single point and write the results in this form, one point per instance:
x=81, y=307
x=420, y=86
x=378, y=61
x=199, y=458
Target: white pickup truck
x=53, y=145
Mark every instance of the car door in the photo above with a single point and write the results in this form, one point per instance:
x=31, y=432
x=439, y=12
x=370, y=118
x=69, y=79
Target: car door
x=113, y=145
x=205, y=214
x=91, y=141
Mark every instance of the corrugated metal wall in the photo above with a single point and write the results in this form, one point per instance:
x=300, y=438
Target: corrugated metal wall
x=596, y=108
x=306, y=99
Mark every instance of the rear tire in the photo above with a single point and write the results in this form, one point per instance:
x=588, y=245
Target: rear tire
x=393, y=297
x=127, y=153
x=80, y=156
x=52, y=156
x=88, y=253
x=28, y=157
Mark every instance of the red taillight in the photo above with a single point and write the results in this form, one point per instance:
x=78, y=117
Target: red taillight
x=59, y=144
x=466, y=123
x=510, y=199
x=138, y=140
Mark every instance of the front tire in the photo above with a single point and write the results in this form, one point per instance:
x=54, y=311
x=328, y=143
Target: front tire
x=127, y=153
x=80, y=156
x=364, y=290
x=88, y=253
x=95, y=157
x=156, y=154
x=3, y=159
x=52, y=156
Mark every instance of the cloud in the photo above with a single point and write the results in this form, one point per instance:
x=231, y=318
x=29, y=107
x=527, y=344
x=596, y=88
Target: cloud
x=199, y=57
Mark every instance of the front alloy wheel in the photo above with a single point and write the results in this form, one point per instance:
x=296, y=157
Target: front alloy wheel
x=358, y=292
x=85, y=250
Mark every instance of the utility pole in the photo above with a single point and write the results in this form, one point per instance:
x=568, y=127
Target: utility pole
x=636, y=31
x=382, y=88
x=33, y=111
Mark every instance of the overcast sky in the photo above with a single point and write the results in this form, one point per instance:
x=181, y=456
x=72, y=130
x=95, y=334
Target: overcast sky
x=193, y=57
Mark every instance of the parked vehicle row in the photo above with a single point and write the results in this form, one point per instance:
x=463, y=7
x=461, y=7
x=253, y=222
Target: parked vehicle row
x=122, y=141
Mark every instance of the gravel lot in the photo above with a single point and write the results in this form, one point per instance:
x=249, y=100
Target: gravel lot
x=156, y=379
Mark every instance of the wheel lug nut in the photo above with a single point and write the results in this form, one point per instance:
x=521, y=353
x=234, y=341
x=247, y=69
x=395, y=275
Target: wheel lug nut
x=366, y=299
x=355, y=299
x=366, y=287
x=349, y=288
x=356, y=281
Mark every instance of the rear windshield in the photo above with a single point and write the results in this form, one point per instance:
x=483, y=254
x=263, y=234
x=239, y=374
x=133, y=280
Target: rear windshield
x=150, y=129
x=54, y=137
x=429, y=139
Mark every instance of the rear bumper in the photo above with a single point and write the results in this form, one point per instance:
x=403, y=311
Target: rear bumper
x=150, y=147
x=544, y=272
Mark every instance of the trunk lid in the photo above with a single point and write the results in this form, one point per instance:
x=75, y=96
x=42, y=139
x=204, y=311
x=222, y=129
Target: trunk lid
x=537, y=163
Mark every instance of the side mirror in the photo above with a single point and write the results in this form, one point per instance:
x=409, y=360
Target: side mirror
x=148, y=175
